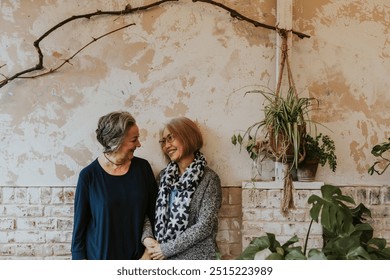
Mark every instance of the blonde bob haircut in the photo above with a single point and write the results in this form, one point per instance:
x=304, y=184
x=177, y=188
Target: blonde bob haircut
x=186, y=131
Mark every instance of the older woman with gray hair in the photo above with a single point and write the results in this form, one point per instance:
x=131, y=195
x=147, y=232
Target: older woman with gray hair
x=115, y=195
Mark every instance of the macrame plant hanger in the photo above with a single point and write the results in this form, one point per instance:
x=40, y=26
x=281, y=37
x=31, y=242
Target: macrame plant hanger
x=287, y=199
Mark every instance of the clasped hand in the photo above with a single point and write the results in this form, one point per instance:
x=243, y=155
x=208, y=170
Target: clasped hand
x=153, y=248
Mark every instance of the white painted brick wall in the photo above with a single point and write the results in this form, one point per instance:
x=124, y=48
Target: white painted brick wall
x=261, y=213
x=37, y=222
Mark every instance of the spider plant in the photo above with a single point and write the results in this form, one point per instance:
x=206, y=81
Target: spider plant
x=284, y=124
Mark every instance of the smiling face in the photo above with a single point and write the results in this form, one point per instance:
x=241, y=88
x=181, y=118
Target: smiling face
x=179, y=140
x=174, y=148
x=130, y=142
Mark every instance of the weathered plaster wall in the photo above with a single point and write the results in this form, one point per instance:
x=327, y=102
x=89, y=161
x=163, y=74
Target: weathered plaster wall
x=346, y=65
x=188, y=59
x=181, y=59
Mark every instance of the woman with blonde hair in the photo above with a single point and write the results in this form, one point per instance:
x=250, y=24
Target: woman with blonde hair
x=189, y=197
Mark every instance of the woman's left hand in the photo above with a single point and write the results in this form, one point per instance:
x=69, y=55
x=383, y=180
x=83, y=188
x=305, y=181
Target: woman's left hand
x=146, y=255
x=156, y=253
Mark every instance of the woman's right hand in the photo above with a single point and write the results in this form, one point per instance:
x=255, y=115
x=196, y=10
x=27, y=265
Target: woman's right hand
x=150, y=243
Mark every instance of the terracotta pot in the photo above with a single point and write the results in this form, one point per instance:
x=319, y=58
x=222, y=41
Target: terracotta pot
x=307, y=171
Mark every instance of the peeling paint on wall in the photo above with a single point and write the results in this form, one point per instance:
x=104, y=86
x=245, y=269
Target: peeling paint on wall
x=187, y=59
x=348, y=74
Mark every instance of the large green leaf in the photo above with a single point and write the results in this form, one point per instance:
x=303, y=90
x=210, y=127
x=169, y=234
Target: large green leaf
x=379, y=151
x=377, y=249
x=360, y=213
x=383, y=254
x=315, y=254
x=269, y=241
x=346, y=235
x=275, y=256
x=336, y=217
x=295, y=254
x=256, y=245
x=358, y=254
x=377, y=243
x=273, y=243
x=345, y=248
x=291, y=241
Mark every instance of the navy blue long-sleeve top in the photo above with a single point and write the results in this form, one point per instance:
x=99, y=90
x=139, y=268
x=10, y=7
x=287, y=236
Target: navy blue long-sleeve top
x=109, y=211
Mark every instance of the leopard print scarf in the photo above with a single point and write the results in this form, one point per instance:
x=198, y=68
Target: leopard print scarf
x=171, y=221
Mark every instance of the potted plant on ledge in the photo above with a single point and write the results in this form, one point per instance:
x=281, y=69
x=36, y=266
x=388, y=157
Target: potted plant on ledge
x=284, y=129
x=346, y=234
x=284, y=126
x=319, y=150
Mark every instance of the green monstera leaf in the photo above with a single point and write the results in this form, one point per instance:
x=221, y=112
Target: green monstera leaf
x=258, y=244
x=336, y=217
x=346, y=235
x=277, y=251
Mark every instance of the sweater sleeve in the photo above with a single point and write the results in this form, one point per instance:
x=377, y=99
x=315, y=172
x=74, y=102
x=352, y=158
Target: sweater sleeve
x=152, y=198
x=207, y=217
x=148, y=227
x=147, y=230
x=82, y=215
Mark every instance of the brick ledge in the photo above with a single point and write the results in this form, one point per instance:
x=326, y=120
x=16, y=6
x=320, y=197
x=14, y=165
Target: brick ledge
x=274, y=185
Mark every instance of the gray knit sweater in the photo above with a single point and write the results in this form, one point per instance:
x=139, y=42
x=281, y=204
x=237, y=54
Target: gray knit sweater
x=198, y=241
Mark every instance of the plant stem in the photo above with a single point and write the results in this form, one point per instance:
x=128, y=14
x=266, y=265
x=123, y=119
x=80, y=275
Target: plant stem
x=307, y=237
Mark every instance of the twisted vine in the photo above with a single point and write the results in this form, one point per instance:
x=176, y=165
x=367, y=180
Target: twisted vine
x=127, y=10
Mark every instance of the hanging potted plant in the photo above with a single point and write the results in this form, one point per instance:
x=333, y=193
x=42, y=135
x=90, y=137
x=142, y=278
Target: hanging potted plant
x=284, y=126
x=285, y=122
x=319, y=150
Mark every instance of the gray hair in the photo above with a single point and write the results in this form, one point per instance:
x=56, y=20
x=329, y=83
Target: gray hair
x=112, y=128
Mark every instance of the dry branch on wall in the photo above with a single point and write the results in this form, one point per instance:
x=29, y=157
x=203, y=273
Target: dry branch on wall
x=77, y=52
x=237, y=15
x=127, y=10
x=39, y=66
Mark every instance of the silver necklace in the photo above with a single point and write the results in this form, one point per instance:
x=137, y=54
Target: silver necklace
x=114, y=163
